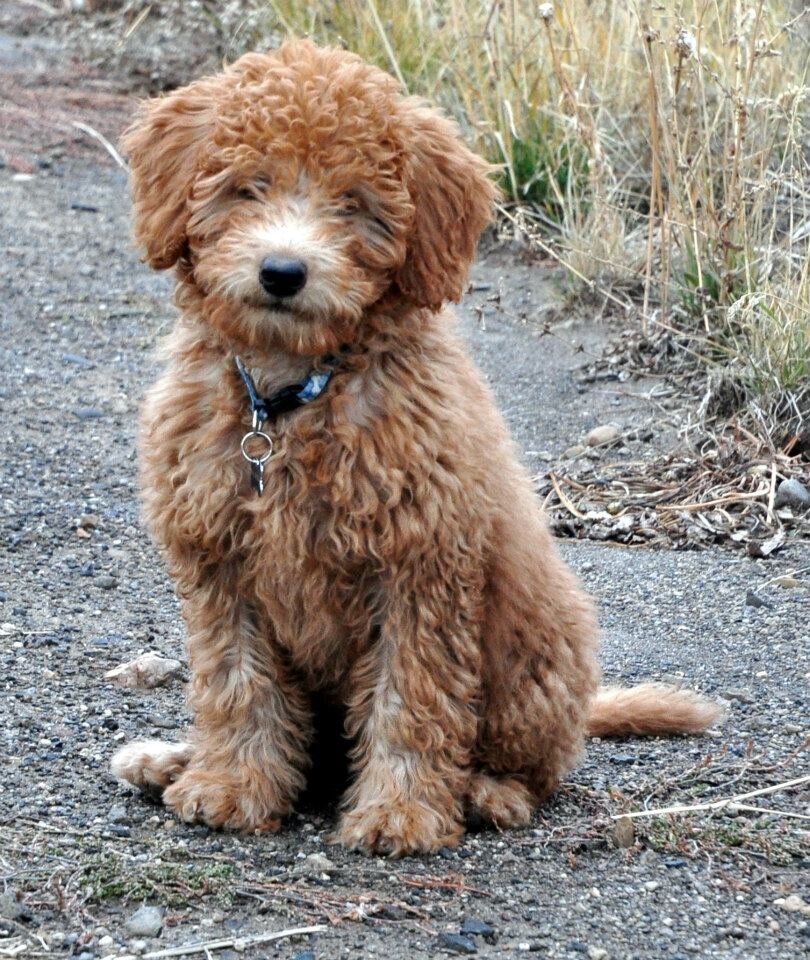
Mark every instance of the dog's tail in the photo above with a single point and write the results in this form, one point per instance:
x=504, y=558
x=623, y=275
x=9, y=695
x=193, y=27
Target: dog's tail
x=649, y=709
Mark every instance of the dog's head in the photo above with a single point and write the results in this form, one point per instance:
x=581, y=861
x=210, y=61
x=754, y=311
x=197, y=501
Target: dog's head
x=297, y=189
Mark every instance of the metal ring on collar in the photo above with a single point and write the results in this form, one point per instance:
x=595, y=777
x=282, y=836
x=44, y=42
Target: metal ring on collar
x=257, y=460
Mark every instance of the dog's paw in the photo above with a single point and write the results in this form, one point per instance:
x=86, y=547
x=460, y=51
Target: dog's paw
x=398, y=828
x=151, y=765
x=221, y=800
x=503, y=802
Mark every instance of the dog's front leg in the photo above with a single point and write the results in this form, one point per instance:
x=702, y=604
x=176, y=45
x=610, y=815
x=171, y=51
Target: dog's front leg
x=413, y=710
x=252, y=724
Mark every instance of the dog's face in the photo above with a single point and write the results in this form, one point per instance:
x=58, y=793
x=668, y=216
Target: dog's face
x=297, y=189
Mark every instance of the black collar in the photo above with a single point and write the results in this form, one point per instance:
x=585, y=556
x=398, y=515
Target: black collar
x=290, y=397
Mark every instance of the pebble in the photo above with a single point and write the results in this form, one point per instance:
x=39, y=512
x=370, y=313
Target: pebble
x=739, y=693
x=456, y=943
x=477, y=928
x=576, y=451
x=793, y=903
x=107, y=583
x=317, y=863
x=792, y=493
x=146, y=671
x=76, y=359
x=755, y=600
x=304, y=955
x=13, y=909
x=89, y=413
x=623, y=834
x=597, y=953
x=145, y=922
x=604, y=434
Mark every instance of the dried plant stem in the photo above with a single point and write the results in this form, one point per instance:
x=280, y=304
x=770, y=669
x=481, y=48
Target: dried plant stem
x=715, y=804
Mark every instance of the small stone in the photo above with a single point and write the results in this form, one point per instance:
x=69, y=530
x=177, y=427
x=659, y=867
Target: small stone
x=597, y=953
x=304, y=955
x=89, y=413
x=456, y=943
x=391, y=911
x=147, y=671
x=607, y=433
x=623, y=834
x=794, y=904
x=145, y=922
x=106, y=941
x=317, y=863
x=739, y=693
x=674, y=863
x=754, y=600
x=13, y=909
x=572, y=452
x=107, y=582
x=137, y=946
x=74, y=358
x=792, y=493
x=651, y=885
x=473, y=927
x=88, y=521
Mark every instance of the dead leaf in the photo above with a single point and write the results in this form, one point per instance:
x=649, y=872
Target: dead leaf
x=766, y=548
x=787, y=581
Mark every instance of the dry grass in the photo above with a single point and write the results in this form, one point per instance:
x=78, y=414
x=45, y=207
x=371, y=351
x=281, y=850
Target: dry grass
x=660, y=151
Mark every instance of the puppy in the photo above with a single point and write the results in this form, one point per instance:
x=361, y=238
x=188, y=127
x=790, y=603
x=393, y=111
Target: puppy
x=388, y=551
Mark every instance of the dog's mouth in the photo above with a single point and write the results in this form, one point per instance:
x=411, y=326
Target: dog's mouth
x=280, y=306
x=274, y=305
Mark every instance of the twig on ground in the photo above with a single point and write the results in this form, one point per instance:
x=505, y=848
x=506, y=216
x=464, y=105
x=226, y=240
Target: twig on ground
x=238, y=943
x=714, y=804
x=86, y=128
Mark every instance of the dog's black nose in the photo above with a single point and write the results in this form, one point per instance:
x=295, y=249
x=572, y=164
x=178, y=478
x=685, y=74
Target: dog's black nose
x=282, y=277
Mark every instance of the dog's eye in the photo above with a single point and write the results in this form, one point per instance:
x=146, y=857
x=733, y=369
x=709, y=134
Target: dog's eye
x=349, y=205
x=253, y=190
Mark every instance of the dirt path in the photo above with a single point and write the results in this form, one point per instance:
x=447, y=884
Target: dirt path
x=81, y=590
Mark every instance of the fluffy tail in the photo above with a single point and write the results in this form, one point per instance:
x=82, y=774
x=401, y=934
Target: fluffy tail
x=651, y=708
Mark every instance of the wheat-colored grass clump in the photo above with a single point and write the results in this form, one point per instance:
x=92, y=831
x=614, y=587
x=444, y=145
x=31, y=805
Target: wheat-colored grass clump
x=660, y=150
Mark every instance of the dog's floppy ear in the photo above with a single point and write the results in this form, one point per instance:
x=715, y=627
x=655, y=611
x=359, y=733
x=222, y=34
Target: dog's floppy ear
x=452, y=196
x=163, y=145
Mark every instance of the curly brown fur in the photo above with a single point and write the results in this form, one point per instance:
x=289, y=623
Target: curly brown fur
x=397, y=559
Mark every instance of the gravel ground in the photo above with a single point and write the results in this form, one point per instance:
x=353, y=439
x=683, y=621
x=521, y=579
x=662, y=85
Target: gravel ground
x=81, y=591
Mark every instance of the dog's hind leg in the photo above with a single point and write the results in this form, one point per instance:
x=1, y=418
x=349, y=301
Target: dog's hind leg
x=540, y=669
x=501, y=801
x=151, y=764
